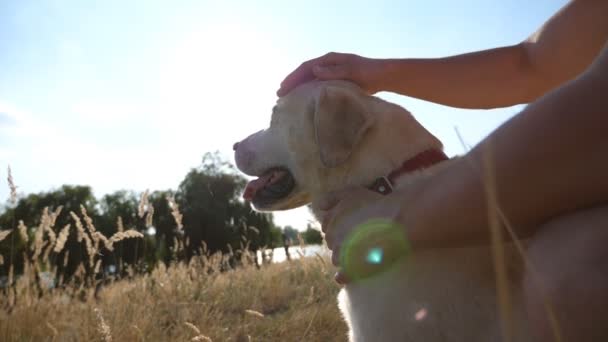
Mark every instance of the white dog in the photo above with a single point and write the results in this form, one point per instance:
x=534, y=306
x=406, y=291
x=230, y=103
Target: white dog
x=326, y=136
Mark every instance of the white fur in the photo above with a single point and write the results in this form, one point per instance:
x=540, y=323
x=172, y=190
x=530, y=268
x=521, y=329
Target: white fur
x=432, y=295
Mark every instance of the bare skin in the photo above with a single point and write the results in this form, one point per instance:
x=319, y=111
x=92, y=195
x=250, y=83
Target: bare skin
x=549, y=162
x=558, y=51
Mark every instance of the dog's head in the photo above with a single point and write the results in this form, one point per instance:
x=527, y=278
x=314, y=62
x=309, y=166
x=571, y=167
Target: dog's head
x=324, y=136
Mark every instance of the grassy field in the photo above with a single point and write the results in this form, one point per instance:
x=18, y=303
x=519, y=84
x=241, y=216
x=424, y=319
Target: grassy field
x=290, y=301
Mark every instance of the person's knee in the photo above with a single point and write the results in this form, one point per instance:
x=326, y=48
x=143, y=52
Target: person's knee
x=566, y=285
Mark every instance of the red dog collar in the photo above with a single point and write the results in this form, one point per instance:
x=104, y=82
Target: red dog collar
x=384, y=185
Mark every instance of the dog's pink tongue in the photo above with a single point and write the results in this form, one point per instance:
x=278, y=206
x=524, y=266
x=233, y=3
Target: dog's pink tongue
x=252, y=187
x=255, y=185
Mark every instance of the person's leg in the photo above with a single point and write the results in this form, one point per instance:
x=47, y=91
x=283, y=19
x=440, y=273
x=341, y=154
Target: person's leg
x=569, y=256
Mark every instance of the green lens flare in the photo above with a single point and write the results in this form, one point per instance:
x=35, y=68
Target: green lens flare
x=374, y=256
x=372, y=248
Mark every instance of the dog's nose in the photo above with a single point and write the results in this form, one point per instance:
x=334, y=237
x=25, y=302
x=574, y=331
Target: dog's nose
x=235, y=146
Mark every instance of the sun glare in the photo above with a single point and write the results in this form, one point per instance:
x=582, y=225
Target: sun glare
x=218, y=86
x=221, y=79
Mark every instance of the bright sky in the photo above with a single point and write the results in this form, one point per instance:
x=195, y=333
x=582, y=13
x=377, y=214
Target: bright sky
x=130, y=94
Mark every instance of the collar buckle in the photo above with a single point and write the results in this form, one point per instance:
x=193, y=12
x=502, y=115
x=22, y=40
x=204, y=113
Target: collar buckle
x=382, y=185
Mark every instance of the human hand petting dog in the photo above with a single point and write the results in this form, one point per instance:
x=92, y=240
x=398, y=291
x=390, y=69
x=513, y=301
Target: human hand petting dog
x=363, y=231
x=366, y=72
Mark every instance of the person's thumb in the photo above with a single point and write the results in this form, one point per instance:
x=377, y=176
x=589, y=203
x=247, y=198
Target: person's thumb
x=329, y=72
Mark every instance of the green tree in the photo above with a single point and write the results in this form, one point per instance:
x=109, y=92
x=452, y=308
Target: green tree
x=29, y=209
x=290, y=234
x=312, y=236
x=123, y=205
x=213, y=211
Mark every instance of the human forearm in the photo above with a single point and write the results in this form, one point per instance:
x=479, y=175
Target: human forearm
x=485, y=79
x=557, y=52
x=549, y=159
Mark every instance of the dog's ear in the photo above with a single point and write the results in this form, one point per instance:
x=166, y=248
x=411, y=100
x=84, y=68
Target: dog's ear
x=340, y=121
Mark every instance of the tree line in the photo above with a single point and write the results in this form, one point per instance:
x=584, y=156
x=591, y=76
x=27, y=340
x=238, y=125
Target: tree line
x=72, y=231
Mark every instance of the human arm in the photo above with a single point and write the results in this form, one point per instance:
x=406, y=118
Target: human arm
x=550, y=159
x=504, y=76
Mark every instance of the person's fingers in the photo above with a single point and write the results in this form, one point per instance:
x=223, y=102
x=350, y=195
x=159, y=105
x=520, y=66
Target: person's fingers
x=301, y=74
x=304, y=72
x=332, y=72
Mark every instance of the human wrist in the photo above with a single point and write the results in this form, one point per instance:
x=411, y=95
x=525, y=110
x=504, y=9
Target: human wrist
x=381, y=74
x=391, y=74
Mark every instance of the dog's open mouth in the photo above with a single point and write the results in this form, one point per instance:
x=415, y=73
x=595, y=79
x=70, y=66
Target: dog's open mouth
x=273, y=185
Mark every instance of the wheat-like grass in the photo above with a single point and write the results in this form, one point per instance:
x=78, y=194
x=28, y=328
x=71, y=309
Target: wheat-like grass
x=138, y=331
x=91, y=251
x=127, y=234
x=503, y=294
x=99, y=237
x=87, y=220
x=80, y=271
x=82, y=234
x=497, y=218
x=143, y=204
x=23, y=231
x=50, y=224
x=61, y=240
x=193, y=327
x=254, y=313
x=149, y=215
x=119, y=226
x=171, y=294
x=97, y=266
x=222, y=311
x=177, y=216
x=53, y=329
x=5, y=233
x=66, y=258
x=37, y=246
x=12, y=186
x=103, y=327
x=79, y=226
x=47, y=251
x=55, y=214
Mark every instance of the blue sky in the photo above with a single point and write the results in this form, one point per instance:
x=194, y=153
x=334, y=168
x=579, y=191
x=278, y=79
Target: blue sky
x=130, y=94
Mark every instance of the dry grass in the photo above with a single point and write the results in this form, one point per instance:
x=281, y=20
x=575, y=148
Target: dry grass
x=291, y=301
